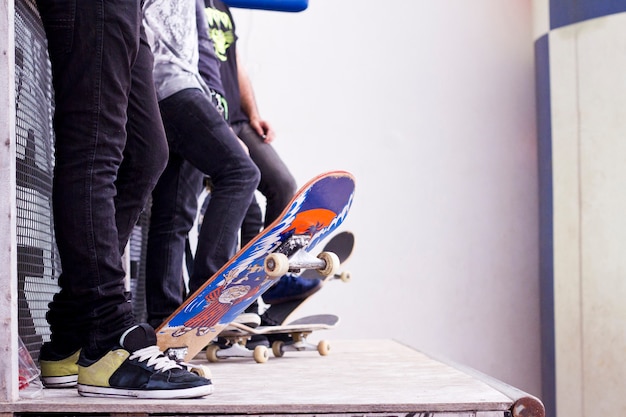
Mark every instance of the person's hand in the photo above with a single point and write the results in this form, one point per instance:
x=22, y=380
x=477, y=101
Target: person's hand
x=264, y=129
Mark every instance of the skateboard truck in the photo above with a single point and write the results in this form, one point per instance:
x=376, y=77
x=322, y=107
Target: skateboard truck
x=237, y=349
x=289, y=257
x=178, y=354
x=299, y=344
x=277, y=264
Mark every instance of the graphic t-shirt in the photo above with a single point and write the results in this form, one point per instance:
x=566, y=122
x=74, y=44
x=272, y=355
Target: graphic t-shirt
x=222, y=33
x=172, y=28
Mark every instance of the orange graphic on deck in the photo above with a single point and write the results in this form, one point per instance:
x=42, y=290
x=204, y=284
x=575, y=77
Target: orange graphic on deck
x=311, y=221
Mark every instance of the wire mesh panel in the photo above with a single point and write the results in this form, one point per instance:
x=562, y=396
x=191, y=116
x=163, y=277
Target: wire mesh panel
x=37, y=258
x=138, y=244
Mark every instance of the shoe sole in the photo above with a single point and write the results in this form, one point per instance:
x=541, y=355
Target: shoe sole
x=248, y=319
x=68, y=381
x=194, y=392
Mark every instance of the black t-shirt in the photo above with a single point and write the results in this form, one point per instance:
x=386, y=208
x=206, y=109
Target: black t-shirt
x=208, y=64
x=222, y=33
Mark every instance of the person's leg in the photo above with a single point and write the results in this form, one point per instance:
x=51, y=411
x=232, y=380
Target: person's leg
x=92, y=76
x=145, y=147
x=189, y=252
x=174, y=206
x=146, y=151
x=252, y=222
x=277, y=184
x=96, y=52
x=250, y=228
x=199, y=133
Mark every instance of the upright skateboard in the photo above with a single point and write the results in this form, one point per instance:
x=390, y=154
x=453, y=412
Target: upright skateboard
x=316, y=210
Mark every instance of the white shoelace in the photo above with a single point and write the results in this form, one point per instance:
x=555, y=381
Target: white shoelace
x=155, y=358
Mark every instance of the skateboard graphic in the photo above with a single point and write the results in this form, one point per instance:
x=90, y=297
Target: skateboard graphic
x=296, y=332
x=342, y=245
x=316, y=210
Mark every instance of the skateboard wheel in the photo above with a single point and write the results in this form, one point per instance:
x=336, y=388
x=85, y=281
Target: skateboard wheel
x=276, y=265
x=277, y=348
x=323, y=347
x=200, y=370
x=261, y=354
x=345, y=276
x=211, y=353
x=332, y=263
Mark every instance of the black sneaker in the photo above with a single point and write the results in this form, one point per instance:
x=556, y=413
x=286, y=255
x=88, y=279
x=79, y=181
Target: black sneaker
x=291, y=288
x=138, y=369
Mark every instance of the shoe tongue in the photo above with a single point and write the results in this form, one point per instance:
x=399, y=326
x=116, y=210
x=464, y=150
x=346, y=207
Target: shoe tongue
x=138, y=337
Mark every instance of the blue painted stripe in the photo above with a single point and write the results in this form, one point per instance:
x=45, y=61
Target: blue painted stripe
x=274, y=5
x=566, y=12
x=546, y=224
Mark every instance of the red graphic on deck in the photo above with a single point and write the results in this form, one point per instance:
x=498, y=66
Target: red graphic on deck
x=218, y=302
x=311, y=221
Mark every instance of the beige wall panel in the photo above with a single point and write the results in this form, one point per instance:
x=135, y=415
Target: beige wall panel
x=541, y=18
x=565, y=165
x=589, y=138
x=602, y=99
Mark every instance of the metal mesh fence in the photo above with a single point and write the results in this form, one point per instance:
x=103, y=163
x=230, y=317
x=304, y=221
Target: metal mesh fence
x=37, y=259
x=138, y=245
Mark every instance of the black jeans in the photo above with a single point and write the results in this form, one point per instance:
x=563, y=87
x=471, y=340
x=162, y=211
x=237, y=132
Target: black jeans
x=277, y=184
x=201, y=144
x=110, y=150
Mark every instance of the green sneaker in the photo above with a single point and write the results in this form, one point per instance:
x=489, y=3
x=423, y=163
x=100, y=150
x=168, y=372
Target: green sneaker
x=58, y=371
x=138, y=369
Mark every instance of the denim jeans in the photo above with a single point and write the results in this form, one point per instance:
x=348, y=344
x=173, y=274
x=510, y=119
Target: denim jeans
x=252, y=223
x=277, y=184
x=109, y=152
x=201, y=144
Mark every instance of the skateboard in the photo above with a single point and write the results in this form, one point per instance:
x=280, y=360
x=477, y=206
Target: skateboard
x=341, y=244
x=296, y=332
x=316, y=210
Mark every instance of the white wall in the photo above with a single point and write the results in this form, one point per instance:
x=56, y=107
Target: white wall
x=431, y=105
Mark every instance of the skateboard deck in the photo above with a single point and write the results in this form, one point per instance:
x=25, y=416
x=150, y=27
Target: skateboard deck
x=342, y=244
x=316, y=210
x=294, y=339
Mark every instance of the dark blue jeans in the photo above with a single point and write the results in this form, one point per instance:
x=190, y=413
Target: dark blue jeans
x=109, y=152
x=201, y=144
